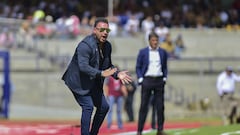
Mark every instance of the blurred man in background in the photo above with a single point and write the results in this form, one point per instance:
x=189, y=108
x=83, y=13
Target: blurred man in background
x=151, y=70
x=129, y=100
x=226, y=88
x=226, y=83
x=115, y=96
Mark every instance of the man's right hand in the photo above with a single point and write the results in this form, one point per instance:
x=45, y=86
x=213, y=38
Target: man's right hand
x=108, y=72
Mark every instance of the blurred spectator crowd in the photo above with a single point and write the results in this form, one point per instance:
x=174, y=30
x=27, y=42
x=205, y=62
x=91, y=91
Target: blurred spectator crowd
x=177, y=13
x=66, y=19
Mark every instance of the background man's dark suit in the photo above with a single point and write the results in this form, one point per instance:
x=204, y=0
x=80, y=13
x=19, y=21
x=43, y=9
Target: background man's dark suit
x=149, y=84
x=143, y=62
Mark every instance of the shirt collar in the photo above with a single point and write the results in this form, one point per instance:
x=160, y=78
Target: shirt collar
x=151, y=49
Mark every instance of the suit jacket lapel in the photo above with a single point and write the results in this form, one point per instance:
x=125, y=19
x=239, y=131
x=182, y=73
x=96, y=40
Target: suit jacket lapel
x=147, y=58
x=161, y=56
x=95, y=50
x=98, y=57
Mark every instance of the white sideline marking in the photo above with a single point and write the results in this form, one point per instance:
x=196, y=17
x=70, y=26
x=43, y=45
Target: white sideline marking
x=231, y=133
x=184, y=132
x=134, y=132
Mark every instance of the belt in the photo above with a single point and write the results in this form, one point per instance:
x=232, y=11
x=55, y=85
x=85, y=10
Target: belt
x=153, y=77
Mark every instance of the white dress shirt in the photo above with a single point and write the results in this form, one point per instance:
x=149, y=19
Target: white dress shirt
x=154, y=67
x=226, y=83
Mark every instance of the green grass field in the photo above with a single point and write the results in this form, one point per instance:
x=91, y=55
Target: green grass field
x=207, y=130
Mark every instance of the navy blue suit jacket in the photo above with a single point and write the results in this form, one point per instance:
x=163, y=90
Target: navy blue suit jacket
x=143, y=62
x=84, y=69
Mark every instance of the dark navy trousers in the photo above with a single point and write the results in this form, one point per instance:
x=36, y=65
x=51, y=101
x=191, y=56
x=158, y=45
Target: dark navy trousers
x=151, y=86
x=87, y=102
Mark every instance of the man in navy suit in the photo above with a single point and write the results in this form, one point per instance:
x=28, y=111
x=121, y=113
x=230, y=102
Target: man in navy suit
x=151, y=70
x=85, y=74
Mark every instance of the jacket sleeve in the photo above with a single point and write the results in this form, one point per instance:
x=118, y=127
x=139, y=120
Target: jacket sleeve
x=84, y=55
x=219, y=84
x=236, y=77
x=139, y=65
x=165, y=65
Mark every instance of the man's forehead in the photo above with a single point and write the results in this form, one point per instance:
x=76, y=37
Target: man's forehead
x=102, y=24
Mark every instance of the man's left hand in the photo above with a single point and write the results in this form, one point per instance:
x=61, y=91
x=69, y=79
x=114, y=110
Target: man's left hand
x=124, y=77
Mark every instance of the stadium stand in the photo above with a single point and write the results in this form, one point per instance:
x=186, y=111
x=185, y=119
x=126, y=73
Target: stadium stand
x=36, y=72
x=187, y=75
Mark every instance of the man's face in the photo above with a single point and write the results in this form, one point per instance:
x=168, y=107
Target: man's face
x=153, y=41
x=229, y=72
x=101, y=31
